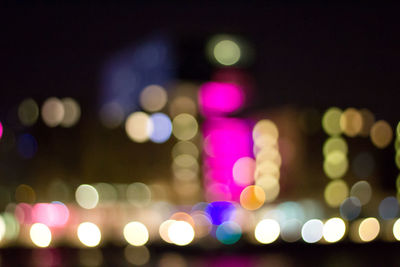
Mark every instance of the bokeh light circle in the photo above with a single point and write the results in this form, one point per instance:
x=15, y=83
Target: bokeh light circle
x=89, y=234
x=227, y=52
x=28, y=112
x=267, y=231
x=381, y=134
x=180, y=233
x=136, y=233
x=252, y=197
x=162, y=127
x=312, y=231
x=52, y=112
x=228, y=232
x=87, y=196
x=334, y=230
x=40, y=235
x=335, y=192
x=153, y=98
x=369, y=229
x=139, y=127
x=243, y=171
x=331, y=121
x=184, y=127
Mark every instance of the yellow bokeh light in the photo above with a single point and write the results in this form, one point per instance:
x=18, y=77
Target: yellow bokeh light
x=252, y=197
x=153, y=98
x=368, y=120
x=186, y=161
x=139, y=127
x=25, y=193
x=396, y=229
x=267, y=168
x=87, y=196
x=267, y=231
x=182, y=104
x=270, y=185
x=52, y=112
x=335, y=192
x=136, y=234
x=184, y=127
x=28, y=112
x=2, y=228
x=40, y=235
x=185, y=147
x=351, y=122
x=269, y=154
x=180, y=233
x=265, y=133
x=331, y=121
x=369, y=229
x=227, y=52
x=334, y=143
x=381, y=134
x=138, y=194
x=334, y=230
x=335, y=164
x=89, y=234
x=72, y=112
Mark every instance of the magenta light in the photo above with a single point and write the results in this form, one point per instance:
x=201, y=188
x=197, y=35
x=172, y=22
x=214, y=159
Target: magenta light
x=225, y=141
x=1, y=130
x=217, y=99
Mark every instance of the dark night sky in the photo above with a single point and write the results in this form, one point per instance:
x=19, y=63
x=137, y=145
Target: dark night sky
x=307, y=55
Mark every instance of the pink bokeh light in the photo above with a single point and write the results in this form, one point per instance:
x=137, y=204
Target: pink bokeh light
x=54, y=214
x=218, y=99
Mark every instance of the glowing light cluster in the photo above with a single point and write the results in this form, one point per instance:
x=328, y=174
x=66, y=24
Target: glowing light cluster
x=225, y=141
x=65, y=112
x=268, y=159
x=54, y=214
x=178, y=230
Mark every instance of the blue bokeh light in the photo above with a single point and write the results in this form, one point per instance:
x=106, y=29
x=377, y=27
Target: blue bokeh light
x=220, y=211
x=162, y=128
x=389, y=208
x=27, y=146
x=350, y=208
